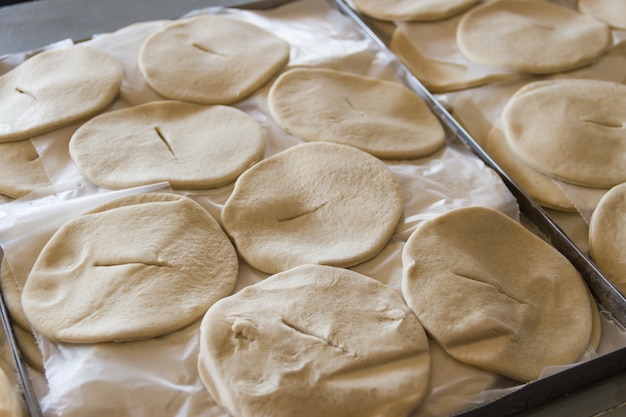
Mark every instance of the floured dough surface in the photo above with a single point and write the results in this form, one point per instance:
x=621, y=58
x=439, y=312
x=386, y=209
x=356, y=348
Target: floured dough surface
x=54, y=89
x=573, y=130
x=139, y=267
x=316, y=203
x=444, y=68
x=413, y=9
x=314, y=341
x=532, y=36
x=607, y=236
x=379, y=117
x=223, y=59
x=10, y=404
x=613, y=12
x=539, y=186
x=21, y=170
x=189, y=145
x=494, y=295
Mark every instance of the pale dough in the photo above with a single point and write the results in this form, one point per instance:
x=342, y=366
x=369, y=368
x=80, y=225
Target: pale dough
x=573, y=130
x=613, y=12
x=10, y=404
x=139, y=267
x=494, y=295
x=379, y=117
x=56, y=88
x=21, y=170
x=532, y=36
x=317, y=202
x=607, y=236
x=189, y=145
x=539, y=186
x=413, y=43
x=314, y=341
x=223, y=60
x=404, y=10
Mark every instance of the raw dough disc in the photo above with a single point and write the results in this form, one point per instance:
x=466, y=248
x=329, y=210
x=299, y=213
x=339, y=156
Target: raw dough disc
x=612, y=12
x=318, y=203
x=494, y=295
x=532, y=36
x=189, y=145
x=10, y=404
x=223, y=60
x=21, y=170
x=607, y=236
x=56, y=88
x=539, y=186
x=28, y=347
x=573, y=130
x=139, y=267
x=379, y=117
x=314, y=341
x=12, y=294
x=413, y=9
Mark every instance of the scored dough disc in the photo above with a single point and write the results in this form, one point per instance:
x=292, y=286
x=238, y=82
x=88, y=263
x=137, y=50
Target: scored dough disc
x=138, y=267
x=223, y=60
x=613, y=12
x=413, y=9
x=573, y=130
x=494, y=295
x=314, y=341
x=532, y=36
x=607, y=236
x=21, y=170
x=318, y=203
x=56, y=88
x=189, y=145
x=379, y=117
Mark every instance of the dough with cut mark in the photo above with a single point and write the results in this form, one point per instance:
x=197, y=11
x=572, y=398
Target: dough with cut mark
x=316, y=202
x=56, y=88
x=21, y=170
x=494, y=295
x=189, y=145
x=211, y=59
x=532, y=36
x=573, y=130
x=379, y=117
x=314, y=341
x=403, y=10
x=138, y=267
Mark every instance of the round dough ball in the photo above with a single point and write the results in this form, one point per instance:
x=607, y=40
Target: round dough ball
x=189, y=145
x=612, y=12
x=573, y=130
x=314, y=341
x=10, y=403
x=222, y=60
x=314, y=203
x=56, y=88
x=21, y=170
x=139, y=267
x=494, y=295
x=607, y=236
x=413, y=10
x=379, y=117
x=532, y=36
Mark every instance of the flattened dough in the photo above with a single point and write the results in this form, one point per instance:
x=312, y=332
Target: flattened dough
x=573, y=130
x=531, y=36
x=494, y=295
x=222, y=60
x=189, y=145
x=314, y=341
x=21, y=170
x=10, y=404
x=607, y=236
x=413, y=9
x=379, y=117
x=613, y=12
x=138, y=267
x=317, y=203
x=539, y=186
x=56, y=88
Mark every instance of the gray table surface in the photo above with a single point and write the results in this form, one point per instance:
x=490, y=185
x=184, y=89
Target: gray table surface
x=30, y=25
